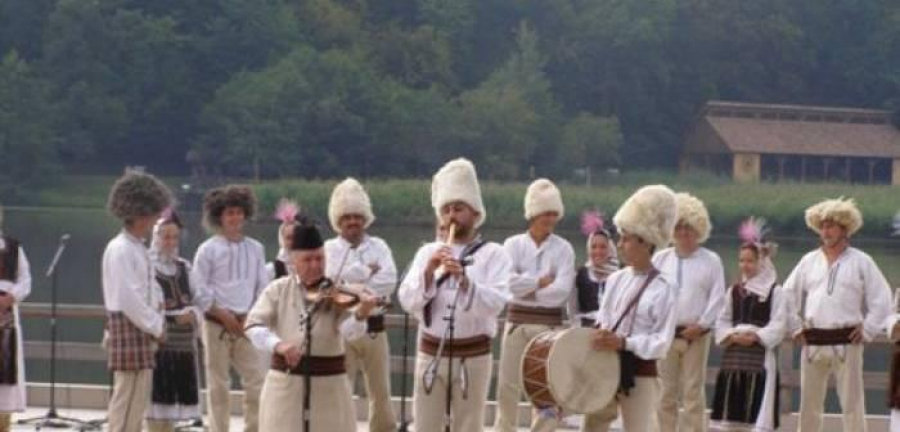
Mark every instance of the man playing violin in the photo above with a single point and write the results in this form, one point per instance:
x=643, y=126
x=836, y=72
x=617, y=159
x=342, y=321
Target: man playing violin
x=302, y=321
x=356, y=258
x=464, y=282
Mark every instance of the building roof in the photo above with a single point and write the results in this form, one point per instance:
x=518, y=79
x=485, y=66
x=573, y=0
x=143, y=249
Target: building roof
x=796, y=130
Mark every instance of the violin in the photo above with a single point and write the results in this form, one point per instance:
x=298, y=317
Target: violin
x=344, y=296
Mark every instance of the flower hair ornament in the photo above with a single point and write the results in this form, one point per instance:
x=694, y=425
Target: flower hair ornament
x=287, y=211
x=754, y=231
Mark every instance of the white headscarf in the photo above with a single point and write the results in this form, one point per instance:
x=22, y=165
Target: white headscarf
x=762, y=282
x=164, y=262
x=612, y=259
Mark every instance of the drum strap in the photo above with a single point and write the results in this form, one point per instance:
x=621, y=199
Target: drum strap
x=652, y=274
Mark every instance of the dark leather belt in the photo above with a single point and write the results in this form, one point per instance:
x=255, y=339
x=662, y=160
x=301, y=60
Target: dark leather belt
x=679, y=329
x=519, y=314
x=466, y=347
x=375, y=324
x=318, y=365
x=838, y=336
x=645, y=368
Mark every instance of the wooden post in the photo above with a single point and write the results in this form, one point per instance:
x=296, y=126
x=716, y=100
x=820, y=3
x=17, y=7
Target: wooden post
x=895, y=172
x=825, y=163
x=872, y=163
x=781, y=161
x=802, y=169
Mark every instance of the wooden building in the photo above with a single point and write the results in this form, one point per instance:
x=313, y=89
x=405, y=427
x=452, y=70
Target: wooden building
x=803, y=143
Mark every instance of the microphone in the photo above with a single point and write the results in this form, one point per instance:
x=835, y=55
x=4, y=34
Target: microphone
x=63, y=241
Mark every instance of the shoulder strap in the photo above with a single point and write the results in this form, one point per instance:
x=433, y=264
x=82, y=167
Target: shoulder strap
x=652, y=274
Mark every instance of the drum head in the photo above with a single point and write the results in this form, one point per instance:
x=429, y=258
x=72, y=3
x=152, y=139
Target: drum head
x=582, y=379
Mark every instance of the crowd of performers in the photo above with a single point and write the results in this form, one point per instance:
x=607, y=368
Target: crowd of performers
x=298, y=330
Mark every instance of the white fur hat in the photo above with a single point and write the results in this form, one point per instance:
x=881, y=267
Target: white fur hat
x=542, y=197
x=841, y=211
x=457, y=181
x=650, y=214
x=692, y=212
x=349, y=197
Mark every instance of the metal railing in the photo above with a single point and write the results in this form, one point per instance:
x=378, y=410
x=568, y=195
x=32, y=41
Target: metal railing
x=87, y=351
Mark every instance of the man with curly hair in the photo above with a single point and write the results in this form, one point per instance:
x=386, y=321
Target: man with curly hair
x=132, y=298
x=230, y=270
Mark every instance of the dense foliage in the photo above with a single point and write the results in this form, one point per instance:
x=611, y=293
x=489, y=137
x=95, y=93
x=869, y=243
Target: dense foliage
x=392, y=88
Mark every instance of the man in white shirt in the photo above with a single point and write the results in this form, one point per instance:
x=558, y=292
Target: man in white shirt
x=699, y=278
x=297, y=323
x=132, y=297
x=841, y=300
x=356, y=258
x=541, y=281
x=637, y=317
x=466, y=278
x=230, y=271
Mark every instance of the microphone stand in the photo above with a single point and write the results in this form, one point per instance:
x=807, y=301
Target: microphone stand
x=432, y=370
x=52, y=419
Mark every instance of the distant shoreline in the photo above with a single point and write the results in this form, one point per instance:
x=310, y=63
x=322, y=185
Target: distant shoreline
x=407, y=202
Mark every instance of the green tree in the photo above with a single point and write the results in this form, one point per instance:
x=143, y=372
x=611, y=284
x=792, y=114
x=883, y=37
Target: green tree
x=28, y=152
x=512, y=115
x=589, y=142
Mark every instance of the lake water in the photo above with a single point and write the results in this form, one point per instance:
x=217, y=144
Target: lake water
x=90, y=230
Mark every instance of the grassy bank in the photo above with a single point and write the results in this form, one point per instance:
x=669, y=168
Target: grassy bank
x=408, y=201
x=728, y=203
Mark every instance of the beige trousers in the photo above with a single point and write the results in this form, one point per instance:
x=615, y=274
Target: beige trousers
x=594, y=422
x=5, y=422
x=467, y=410
x=846, y=363
x=281, y=404
x=160, y=426
x=509, y=379
x=683, y=373
x=636, y=409
x=130, y=400
x=371, y=356
x=222, y=352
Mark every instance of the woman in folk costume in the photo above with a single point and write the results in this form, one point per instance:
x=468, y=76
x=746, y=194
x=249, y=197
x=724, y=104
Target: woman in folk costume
x=300, y=324
x=749, y=328
x=132, y=298
x=176, y=393
x=590, y=281
x=15, y=285
x=286, y=212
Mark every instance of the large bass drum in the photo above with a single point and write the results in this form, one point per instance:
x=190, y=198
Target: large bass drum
x=560, y=369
